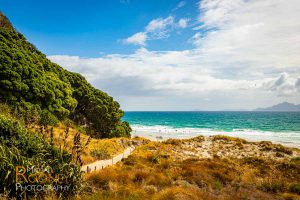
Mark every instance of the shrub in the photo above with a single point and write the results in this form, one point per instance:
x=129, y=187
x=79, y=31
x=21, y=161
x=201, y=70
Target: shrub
x=140, y=176
x=295, y=160
x=48, y=118
x=266, y=145
x=97, y=180
x=130, y=160
x=282, y=149
x=100, y=153
x=20, y=148
x=154, y=158
x=173, y=141
x=158, y=179
x=295, y=188
x=272, y=186
x=279, y=155
x=199, y=138
x=228, y=138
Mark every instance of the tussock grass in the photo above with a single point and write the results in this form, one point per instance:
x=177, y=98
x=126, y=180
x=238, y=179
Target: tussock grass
x=153, y=171
x=229, y=139
x=278, y=148
x=96, y=148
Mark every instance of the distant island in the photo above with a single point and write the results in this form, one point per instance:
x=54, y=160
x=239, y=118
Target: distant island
x=285, y=106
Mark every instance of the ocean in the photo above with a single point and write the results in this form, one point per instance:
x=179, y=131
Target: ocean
x=278, y=127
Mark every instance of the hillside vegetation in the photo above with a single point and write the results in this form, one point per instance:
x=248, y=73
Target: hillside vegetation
x=20, y=149
x=42, y=91
x=52, y=121
x=62, y=149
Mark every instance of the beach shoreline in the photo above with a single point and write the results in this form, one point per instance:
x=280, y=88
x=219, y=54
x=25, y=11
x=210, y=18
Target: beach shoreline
x=223, y=146
x=159, y=136
x=278, y=127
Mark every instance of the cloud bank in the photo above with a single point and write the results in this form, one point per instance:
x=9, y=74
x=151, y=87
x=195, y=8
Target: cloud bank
x=245, y=55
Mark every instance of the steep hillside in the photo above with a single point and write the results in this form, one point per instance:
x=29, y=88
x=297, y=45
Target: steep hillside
x=44, y=92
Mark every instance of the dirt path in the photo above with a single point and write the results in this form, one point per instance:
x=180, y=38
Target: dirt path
x=100, y=164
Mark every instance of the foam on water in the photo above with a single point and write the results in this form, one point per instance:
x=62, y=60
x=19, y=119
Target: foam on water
x=286, y=138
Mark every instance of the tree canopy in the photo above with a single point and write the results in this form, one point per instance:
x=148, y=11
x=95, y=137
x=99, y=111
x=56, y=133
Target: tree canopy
x=29, y=81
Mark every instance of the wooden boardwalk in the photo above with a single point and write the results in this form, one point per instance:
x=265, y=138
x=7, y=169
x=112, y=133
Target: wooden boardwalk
x=100, y=164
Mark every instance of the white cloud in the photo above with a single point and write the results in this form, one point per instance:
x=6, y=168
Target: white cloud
x=136, y=39
x=183, y=22
x=156, y=29
x=261, y=35
x=196, y=39
x=219, y=12
x=170, y=72
x=180, y=5
x=247, y=57
x=159, y=24
x=284, y=85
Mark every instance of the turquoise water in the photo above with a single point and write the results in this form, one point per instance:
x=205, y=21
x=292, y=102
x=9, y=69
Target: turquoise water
x=279, y=127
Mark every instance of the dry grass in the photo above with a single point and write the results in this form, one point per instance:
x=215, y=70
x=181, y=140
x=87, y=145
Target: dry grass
x=154, y=171
x=112, y=146
x=229, y=139
x=269, y=146
x=96, y=149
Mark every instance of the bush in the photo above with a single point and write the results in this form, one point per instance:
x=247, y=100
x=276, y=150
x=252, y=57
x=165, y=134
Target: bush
x=48, y=118
x=131, y=160
x=272, y=186
x=20, y=148
x=173, y=141
x=282, y=149
x=154, y=158
x=228, y=139
x=295, y=188
x=122, y=130
x=140, y=176
x=100, y=154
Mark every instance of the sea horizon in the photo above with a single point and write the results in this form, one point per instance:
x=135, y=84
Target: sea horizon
x=275, y=126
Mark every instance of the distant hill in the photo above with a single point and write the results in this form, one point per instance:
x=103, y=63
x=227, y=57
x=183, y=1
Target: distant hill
x=285, y=106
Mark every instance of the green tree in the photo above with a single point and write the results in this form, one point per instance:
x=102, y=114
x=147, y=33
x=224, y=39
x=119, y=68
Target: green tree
x=28, y=80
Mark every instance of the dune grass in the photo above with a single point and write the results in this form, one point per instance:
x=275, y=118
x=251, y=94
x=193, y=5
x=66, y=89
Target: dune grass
x=109, y=147
x=153, y=171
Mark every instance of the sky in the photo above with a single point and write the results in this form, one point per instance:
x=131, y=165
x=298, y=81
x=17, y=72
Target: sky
x=175, y=54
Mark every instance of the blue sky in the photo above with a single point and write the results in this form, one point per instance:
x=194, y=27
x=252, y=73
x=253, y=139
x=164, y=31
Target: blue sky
x=91, y=28
x=172, y=55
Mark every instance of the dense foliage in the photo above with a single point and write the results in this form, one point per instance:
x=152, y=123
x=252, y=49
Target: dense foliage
x=32, y=83
x=20, y=148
